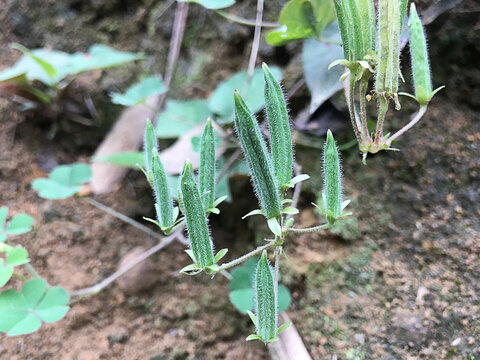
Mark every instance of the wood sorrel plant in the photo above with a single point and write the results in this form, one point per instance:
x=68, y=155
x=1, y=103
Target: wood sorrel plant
x=366, y=58
x=271, y=173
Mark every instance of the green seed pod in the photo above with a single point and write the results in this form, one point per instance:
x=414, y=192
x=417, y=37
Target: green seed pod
x=149, y=143
x=265, y=300
x=388, y=52
x=419, y=54
x=258, y=159
x=163, y=200
x=207, y=166
x=197, y=227
x=332, y=176
x=356, y=31
x=279, y=125
x=403, y=11
x=366, y=10
x=343, y=23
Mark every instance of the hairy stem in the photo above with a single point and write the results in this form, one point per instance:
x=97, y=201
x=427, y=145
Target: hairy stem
x=277, y=268
x=247, y=256
x=350, y=96
x=308, y=230
x=244, y=21
x=382, y=110
x=415, y=118
x=363, y=108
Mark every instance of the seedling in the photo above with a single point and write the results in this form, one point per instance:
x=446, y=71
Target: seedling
x=365, y=58
x=255, y=285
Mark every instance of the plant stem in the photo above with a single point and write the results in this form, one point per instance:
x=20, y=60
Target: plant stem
x=308, y=230
x=107, y=281
x=247, y=256
x=256, y=40
x=382, y=110
x=363, y=107
x=415, y=118
x=350, y=96
x=244, y=21
x=32, y=271
x=124, y=218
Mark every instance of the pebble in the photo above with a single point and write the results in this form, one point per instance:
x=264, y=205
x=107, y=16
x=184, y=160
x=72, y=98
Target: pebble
x=139, y=278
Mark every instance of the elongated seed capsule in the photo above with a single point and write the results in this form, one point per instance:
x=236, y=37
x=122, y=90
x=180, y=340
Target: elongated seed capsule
x=279, y=125
x=403, y=11
x=343, y=24
x=197, y=227
x=265, y=300
x=389, y=47
x=258, y=159
x=332, y=177
x=366, y=10
x=161, y=189
x=149, y=143
x=419, y=54
x=356, y=32
x=207, y=166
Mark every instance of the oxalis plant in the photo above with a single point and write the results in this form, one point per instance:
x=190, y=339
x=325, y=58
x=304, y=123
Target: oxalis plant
x=368, y=55
x=271, y=173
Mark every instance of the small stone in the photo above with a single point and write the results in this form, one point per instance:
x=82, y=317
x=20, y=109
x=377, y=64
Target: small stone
x=359, y=338
x=139, y=278
x=118, y=337
x=456, y=342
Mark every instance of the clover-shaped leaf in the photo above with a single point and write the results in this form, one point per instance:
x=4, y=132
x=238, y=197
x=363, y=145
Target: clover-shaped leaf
x=63, y=181
x=20, y=224
x=212, y=4
x=23, y=313
x=139, y=92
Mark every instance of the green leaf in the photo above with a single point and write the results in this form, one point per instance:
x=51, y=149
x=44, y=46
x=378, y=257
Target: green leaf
x=274, y=226
x=181, y=116
x=254, y=212
x=3, y=216
x=49, y=69
x=301, y=19
x=139, y=92
x=192, y=269
x=317, y=56
x=212, y=4
x=258, y=158
x=279, y=125
x=284, y=298
x=128, y=159
x=253, y=318
x=6, y=272
x=219, y=256
x=200, y=241
x=283, y=327
x=17, y=256
x=23, y=313
x=265, y=301
x=295, y=180
x=242, y=277
x=253, y=337
x=206, y=172
x=242, y=299
x=20, y=224
x=290, y=210
x=222, y=103
x=63, y=181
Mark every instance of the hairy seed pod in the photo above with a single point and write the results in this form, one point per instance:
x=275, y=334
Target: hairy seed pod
x=419, y=54
x=403, y=11
x=278, y=123
x=197, y=227
x=366, y=10
x=388, y=52
x=149, y=143
x=258, y=159
x=207, y=166
x=332, y=176
x=356, y=30
x=265, y=300
x=161, y=189
x=343, y=23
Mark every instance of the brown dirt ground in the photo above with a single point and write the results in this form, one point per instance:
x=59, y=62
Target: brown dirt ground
x=407, y=288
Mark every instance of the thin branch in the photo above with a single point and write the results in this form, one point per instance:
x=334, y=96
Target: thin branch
x=256, y=40
x=363, y=108
x=123, y=218
x=244, y=21
x=350, y=96
x=382, y=111
x=308, y=230
x=297, y=169
x=415, y=118
x=241, y=259
x=104, y=283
